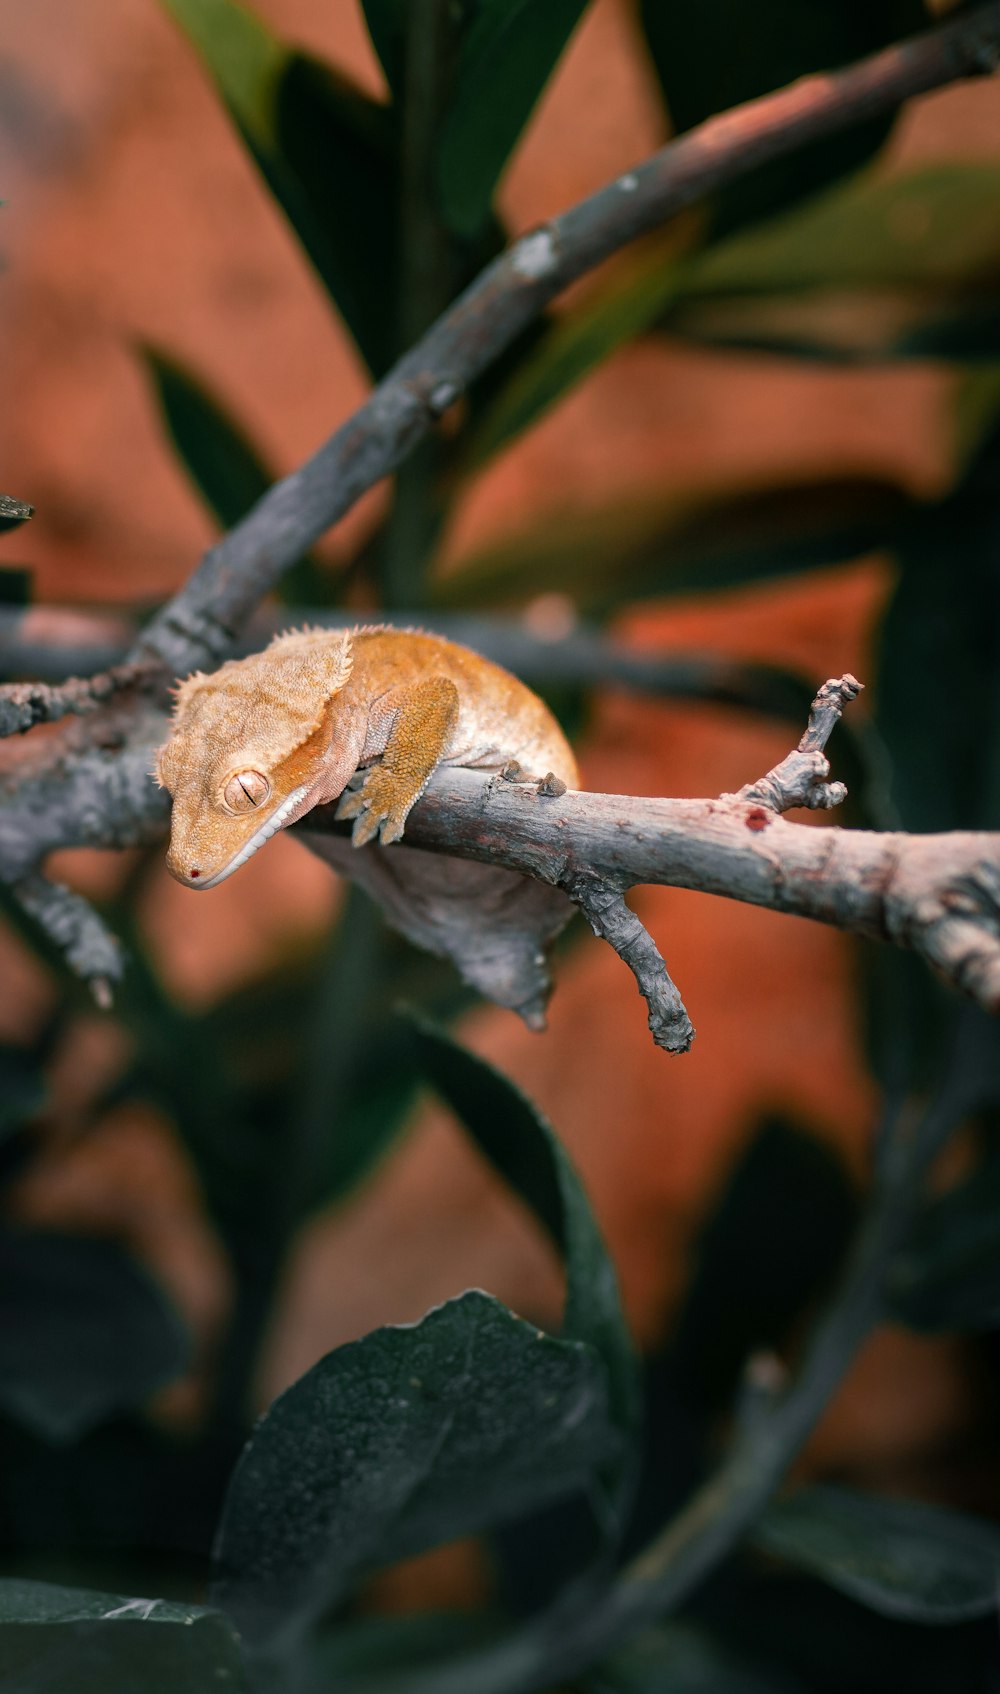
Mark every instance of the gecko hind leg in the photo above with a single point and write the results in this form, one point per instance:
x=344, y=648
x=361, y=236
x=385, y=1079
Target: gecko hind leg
x=424, y=716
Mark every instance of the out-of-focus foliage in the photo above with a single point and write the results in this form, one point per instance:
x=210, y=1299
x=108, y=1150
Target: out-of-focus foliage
x=286, y=1092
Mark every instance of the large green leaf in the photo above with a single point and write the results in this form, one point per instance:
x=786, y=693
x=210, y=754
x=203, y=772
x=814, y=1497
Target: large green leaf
x=901, y=1558
x=406, y=1438
x=73, y=1641
x=711, y=540
x=84, y=1333
x=523, y=1147
x=506, y=55
x=715, y=54
x=326, y=152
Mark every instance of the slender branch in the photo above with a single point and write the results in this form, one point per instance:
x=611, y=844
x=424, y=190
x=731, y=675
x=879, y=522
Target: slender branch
x=92, y=952
x=55, y=643
x=25, y=704
x=609, y=917
x=201, y=622
x=800, y=779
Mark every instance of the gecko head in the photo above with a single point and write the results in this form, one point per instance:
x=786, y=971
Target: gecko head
x=245, y=755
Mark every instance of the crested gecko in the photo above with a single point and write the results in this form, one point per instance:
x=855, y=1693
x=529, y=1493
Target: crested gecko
x=368, y=715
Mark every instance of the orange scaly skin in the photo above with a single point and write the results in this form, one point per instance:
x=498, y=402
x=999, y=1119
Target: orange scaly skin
x=368, y=715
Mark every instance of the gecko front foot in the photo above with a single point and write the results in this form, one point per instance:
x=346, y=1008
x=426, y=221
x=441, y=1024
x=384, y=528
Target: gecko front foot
x=377, y=804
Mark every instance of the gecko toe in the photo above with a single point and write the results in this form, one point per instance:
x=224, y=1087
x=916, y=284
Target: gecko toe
x=350, y=804
x=366, y=828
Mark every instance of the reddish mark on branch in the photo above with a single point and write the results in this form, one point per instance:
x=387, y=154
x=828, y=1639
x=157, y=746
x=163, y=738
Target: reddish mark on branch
x=757, y=818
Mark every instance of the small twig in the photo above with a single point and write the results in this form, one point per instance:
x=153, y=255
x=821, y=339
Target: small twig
x=13, y=512
x=25, y=704
x=800, y=779
x=200, y=624
x=92, y=952
x=613, y=920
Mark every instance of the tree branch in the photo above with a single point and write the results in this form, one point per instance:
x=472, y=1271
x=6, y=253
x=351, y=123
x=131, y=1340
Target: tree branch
x=200, y=624
x=937, y=894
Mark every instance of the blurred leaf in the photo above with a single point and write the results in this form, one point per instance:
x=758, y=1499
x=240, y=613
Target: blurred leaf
x=795, y=1626
x=61, y=1639
x=84, y=1332
x=386, y=20
x=710, y=540
x=767, y=46
x=778, y=1233
x=15, y=585
x=326, y=152
x=948, y=1276
x=22, y=1088
x=937, y=227
x=523, y=1147
x=507, y=54
x=371, y=1646
x=681, y=1658
x=943, y=623
x=900, y=1557
x=576, y=344
x=13, y=512
x=399, y=1441
x=223, y=465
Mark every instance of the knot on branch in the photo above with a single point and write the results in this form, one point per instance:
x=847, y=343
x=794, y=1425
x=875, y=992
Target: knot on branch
x=955, y=925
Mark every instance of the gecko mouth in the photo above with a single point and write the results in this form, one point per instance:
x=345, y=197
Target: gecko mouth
x=276, y=821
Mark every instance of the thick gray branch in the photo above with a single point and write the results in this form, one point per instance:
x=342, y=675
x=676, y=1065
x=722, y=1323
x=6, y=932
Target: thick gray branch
x=25, y=704
x=200, y=624
x=938, y=894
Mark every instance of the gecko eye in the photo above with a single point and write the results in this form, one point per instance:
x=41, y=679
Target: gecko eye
x=245, y=791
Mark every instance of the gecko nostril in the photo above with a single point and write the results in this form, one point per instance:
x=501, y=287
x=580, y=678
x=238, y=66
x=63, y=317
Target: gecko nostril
x=193, y=874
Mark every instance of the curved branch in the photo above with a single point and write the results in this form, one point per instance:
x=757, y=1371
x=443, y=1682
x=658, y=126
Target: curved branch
x=200, y=624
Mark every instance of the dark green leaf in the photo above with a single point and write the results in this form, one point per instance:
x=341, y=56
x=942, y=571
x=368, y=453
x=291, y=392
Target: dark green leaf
x=778, y=1234
x=372, y=1646
x=681, y=1658
x=694, y=544
x=571, y=348
x=934, y=228
x=948, y=1277
x=767, y=46
x=22, y=1088
x=399, y=1441
x=944, y=622
x=72, y=1641
x=84, y=1333
x=13, y=512
x=519, y=1142
x=386, y=20
x=507, y=55
x=224, y=467
x=326, y=152
x=901, y=1558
